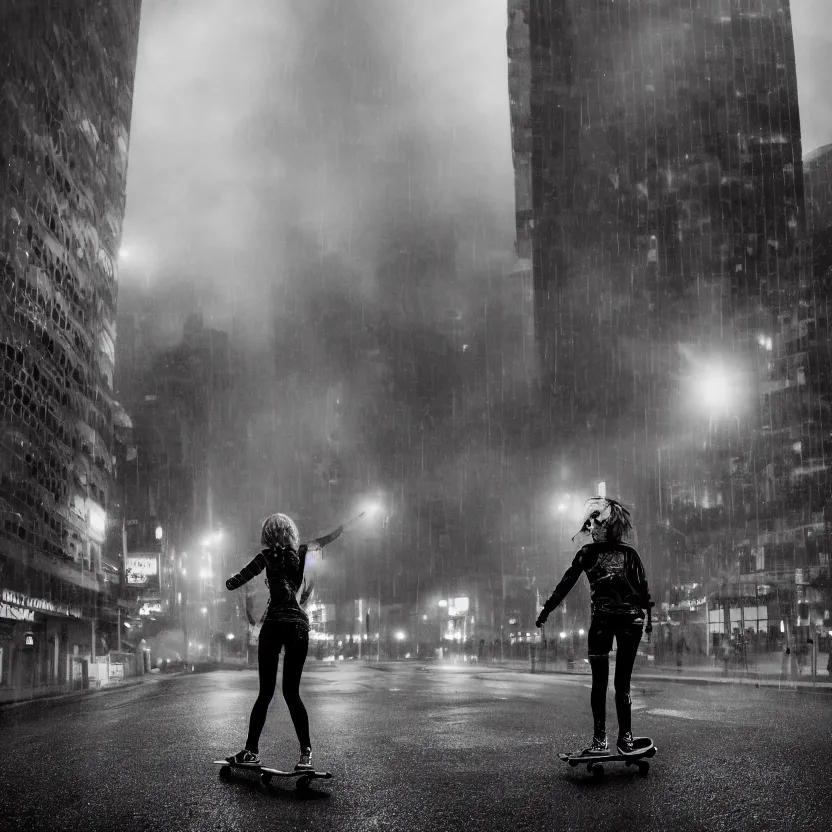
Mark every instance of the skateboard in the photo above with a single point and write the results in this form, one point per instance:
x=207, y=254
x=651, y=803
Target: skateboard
x=643, y=746
x=304, y=776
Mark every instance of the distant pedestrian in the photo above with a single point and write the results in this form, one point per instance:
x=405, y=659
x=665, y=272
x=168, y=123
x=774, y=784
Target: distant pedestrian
x=829, y=662
x=285, y=625
x=620, y=595
x=681, y=646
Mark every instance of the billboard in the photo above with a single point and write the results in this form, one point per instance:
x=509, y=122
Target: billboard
x=142, y=570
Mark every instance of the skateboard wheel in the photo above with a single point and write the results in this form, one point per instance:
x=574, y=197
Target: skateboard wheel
x=573, y=763
x=225, y=772
x=596, y=771
x=644, y=768
x=303, y=782
x=651, y=753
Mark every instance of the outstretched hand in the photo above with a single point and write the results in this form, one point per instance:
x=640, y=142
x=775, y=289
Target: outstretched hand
x=541, y=619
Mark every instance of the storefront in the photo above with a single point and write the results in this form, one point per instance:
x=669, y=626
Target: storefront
x=42, y=645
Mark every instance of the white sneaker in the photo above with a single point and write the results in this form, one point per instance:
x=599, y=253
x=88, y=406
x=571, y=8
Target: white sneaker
x=305, y=761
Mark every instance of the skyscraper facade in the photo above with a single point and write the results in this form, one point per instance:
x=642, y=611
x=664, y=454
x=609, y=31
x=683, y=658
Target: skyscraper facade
x=65, y=108
x=658, y=156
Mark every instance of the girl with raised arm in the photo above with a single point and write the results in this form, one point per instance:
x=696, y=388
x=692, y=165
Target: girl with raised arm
x=285, y=625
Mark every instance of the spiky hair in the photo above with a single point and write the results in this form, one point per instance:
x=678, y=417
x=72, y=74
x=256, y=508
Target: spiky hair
x=612, y=515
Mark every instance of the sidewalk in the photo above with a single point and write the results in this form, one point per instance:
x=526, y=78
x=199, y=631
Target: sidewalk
x=692, y=675
x=48, y=700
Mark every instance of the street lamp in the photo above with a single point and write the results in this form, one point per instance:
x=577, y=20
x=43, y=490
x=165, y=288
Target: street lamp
x=714, y=389
x=371, y=506
x=213, y=537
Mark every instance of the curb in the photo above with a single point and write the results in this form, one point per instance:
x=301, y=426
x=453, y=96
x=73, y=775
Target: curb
x=52, y=700
x=788, y=687
x=763, y=684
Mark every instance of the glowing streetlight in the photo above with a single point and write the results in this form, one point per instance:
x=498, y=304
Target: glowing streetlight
x=204, y=610
x=443, y=603
x=562, y=634
x=159, y=532
x=715, y=390
x=372, y=507
x=213, y=537
x=230, y=636
x=399, y=636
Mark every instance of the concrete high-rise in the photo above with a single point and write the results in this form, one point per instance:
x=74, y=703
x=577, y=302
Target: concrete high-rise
x=66, y=76
x=661, y=202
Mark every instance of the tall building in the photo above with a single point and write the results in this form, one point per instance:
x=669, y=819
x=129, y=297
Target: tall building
x=66, y=74
x=661, y=198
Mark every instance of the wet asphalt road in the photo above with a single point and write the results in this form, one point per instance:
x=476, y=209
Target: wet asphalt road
x=412, y=749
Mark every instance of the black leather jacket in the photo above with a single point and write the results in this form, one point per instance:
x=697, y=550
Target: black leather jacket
x=616, y=576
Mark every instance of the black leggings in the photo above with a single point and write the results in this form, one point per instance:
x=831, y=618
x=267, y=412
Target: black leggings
x=273, y=636
x=627, y=632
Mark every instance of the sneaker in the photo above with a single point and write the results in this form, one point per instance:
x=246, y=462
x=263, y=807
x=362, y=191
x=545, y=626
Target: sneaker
x=245, y=758
x=625, y=743
x=305, y=761
x=599, y=746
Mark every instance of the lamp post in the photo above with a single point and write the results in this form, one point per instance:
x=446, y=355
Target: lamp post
x=372, y=507
x=719, y=390
x=562, y=513
x=443, y=604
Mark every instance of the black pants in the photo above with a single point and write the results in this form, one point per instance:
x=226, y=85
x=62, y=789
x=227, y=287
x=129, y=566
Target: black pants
x=295, y=639
x=627, y=631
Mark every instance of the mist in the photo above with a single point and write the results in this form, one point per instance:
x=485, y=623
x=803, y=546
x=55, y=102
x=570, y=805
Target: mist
x=355, y=125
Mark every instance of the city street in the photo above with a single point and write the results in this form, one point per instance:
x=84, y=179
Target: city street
x=416, y=747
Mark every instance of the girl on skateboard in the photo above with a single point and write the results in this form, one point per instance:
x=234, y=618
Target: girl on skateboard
x=619, y=593
x=285, y=625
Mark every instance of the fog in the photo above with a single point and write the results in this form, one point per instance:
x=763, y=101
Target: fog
x=351, y=124
x=343, y=169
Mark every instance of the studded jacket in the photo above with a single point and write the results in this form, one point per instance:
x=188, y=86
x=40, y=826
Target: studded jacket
x=616, y=577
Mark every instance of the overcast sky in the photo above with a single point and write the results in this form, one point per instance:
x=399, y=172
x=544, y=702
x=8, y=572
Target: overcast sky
x=251, y=117
x=812, y=22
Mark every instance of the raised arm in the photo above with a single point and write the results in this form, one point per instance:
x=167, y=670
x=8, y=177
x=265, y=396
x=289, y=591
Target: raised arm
x=253, y=568
x=320, y=542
